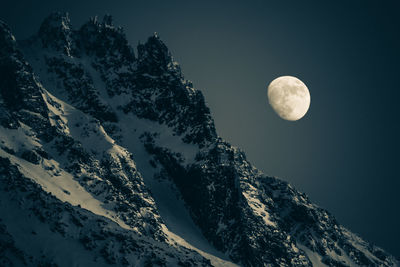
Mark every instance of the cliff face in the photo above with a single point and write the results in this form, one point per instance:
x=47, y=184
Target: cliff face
x=116, y=155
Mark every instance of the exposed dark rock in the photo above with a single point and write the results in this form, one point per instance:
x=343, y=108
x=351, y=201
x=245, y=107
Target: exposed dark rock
x=31, y=156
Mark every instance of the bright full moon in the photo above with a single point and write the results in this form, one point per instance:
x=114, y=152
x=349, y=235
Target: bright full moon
x=289, y=97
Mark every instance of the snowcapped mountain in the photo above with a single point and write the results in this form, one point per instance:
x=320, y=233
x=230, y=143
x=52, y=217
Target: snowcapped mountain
x=112, y=158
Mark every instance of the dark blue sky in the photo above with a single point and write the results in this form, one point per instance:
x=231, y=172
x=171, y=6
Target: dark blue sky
x=345, y=152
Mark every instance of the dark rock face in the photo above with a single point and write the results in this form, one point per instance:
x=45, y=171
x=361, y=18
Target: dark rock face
x=16, y=87
x=20, y=95
x=106, y=42
x=55, y=33
x=71, y=120
x=31, y=156
x=217, y=194
x=176, y=103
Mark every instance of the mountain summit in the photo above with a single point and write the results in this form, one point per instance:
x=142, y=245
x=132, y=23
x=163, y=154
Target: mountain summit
x=112, y=158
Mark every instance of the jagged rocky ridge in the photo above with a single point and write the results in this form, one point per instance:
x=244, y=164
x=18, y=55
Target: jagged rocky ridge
x=101, y=147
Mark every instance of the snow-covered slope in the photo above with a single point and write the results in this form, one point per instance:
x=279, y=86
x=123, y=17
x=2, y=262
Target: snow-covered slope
x=111, y=158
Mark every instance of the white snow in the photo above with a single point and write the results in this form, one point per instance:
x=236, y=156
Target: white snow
x=18, y=139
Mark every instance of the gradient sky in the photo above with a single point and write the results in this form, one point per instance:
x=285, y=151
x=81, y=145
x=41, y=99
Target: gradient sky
x=345, y=152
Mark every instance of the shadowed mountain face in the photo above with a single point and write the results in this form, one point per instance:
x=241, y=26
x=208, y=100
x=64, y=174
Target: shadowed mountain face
x=108, y=157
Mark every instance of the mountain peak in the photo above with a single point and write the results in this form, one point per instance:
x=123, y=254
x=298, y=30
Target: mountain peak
x=108, y=20
x=55, y=32
x=155, y=43
x=105, y=40
x=57, y=19
x=155, y=58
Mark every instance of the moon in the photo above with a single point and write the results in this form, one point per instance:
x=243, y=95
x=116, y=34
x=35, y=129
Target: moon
x=289, y=97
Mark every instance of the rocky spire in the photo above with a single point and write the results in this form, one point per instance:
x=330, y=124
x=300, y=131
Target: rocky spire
x=55, y=32
x=108, y=21
x=155, y=59
x=105, y=40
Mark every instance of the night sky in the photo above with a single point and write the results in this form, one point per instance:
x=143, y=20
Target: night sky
x=345, y=152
